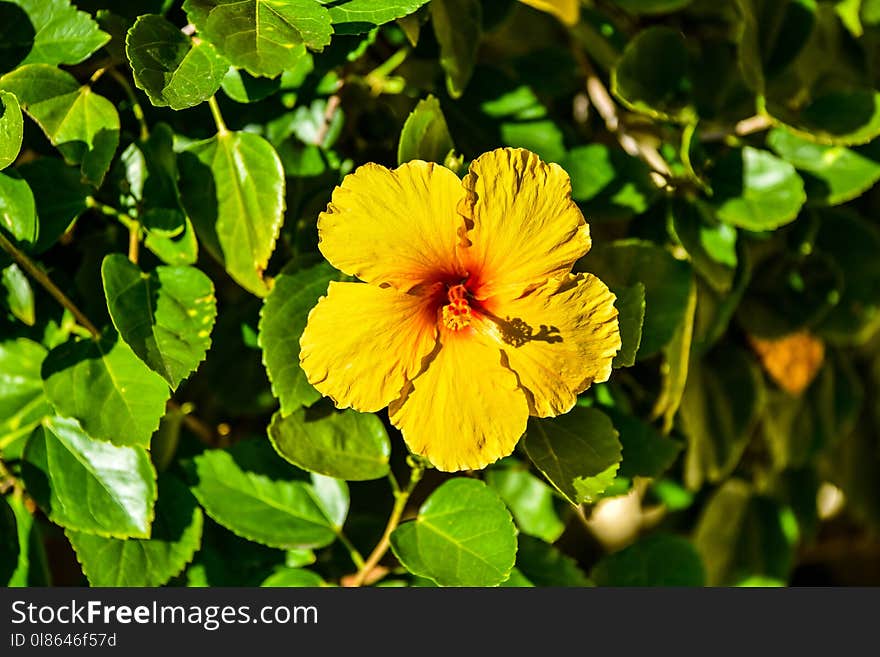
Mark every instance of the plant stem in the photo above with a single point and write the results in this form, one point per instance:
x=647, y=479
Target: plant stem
x=136, y=108
x=401, y=497
x=356, y=557
x=218, y=117
x=134, y=241
x=40, y=277
x=110, y=211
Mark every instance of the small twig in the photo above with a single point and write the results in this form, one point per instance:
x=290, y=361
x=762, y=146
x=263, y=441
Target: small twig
x=607, y=109
x=400, y=499
x=201, y=429
x=134, y=241
x=749, y=126
x=40, y=277
x=329, y=113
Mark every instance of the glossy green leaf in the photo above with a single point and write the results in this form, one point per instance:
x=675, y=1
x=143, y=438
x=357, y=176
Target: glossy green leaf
x=22, y=401
x=578, y=452
x=17, y=295
x=175, y=537
x=261, y=36
x=81, y=124
x=89, y=485
x=756, y=190
x=529, y=499
x=18, y=214
x=346, y=445
x=608, y=182
x=462, y=536
x=458, y=27
x=646, y=453
x=739, y=535
x=171, y=68
x=249, y=490
x=425, y=135
x=666, y=280
x=242, y=87
x=11, y=128
x=355, y=16
x=630, y=304
x=651, y=76
x=9, y=547
x=282, y=321
x=107, y=388
x=656, y=560
x=722, y=401
x=545, y=565
x=59, y=194
x=832, y=174
x=166, y=316
x=294, y=577
x=232, y=187
x=182, y=249
x=711, y=245
x=62, y=34
x=842, y=118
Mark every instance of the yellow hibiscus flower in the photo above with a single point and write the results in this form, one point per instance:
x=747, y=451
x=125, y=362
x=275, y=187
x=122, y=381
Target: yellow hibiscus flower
x=568, y=11
x=468, y=319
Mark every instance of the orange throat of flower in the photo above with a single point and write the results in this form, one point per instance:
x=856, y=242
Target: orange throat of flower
x=456, y=315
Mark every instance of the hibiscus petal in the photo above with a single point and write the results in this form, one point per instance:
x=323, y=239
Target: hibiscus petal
x=465, y=410
x=558, y=339
x=397, y=228
x=568, y=11
x=522, y=224
x=363, y=343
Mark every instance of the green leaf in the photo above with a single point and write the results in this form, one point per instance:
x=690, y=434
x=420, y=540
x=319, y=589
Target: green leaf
x=169, y=66
x=107, y=388
x=529, y=499
x=17, y=295
x=458, y=26
x=609, y=182
x=88, y=485
x=232, y=187
x=841, y=118
x=9, y=548
x=651, y=76
x=18, y=214
x=175, y=538
x=544, y=565
x=63, y=35
x=59, y=194
x=711, y=245
x=249, y=490
x=294, y=577
x=740, y=534
x=282, y=321
x=16, y=35
x=11, y=128
x=656, y=560
x=646, y=453
x=22, y=402
x=81, y=124
x=578, y=452
x=832, y=174
x=261, y=36
x=852, y=243
x=630, y=304
x=165, y=316
x=346, y=445
x=756, y=190
x=722, y=401
x=462, y=536
x=425, y=135
x=667, y=284
x=356, y=16
x=151, y=175
x=179, y=250
x=242, y=87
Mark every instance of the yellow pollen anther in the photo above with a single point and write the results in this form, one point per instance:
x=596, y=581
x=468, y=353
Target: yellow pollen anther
x=456, y=315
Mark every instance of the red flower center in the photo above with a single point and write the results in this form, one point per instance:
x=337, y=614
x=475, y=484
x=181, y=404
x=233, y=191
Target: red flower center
x=457, y=314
